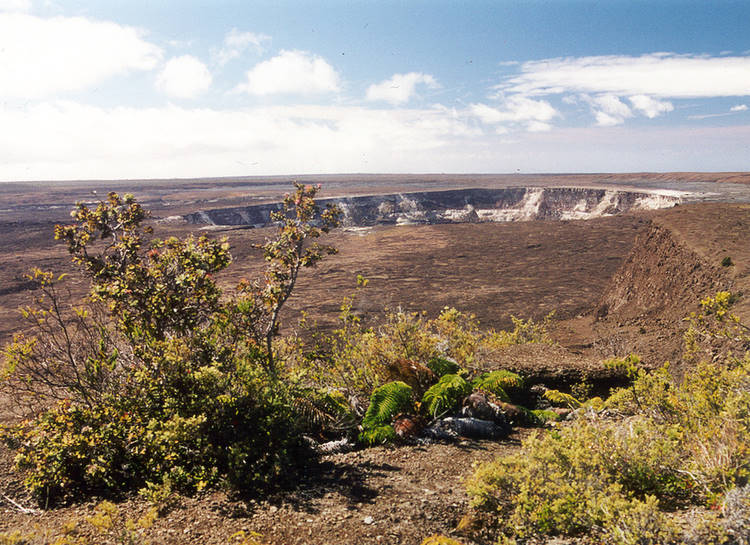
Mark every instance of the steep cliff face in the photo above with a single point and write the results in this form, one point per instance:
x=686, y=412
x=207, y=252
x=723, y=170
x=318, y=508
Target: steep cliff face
x=461, y=206
x=659, y=275
x=658, y=285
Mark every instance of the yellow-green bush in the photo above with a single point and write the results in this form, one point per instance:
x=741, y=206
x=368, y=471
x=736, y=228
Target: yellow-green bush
x=357, y=358
x=159, y=377
x=577, y=480
x=675, y=443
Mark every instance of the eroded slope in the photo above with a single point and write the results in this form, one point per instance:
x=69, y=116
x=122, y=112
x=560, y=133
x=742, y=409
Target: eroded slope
x=675, y=263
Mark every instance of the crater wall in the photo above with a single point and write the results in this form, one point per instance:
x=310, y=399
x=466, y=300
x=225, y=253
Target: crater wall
x=461, y=206
x=657, y=286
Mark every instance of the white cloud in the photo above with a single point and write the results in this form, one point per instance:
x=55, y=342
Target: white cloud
x=533, y=115
x=237, y=42
x=67, y=140
x=738, y=108
x=650, y=107
x=608, y=109
x=184, y=77
x=603, y=119
x=42, y=57
x=15, y=5
x=612, y=105
x=538, y=126
x=292, y=72
x=655, y=75
x=400, y=88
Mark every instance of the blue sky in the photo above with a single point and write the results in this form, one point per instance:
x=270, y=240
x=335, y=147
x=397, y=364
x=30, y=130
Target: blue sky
x=111, y=89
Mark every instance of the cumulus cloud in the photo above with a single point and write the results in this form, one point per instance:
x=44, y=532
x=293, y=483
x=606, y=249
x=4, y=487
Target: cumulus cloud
x=15, y=5
x=608, y=110
x=237, y=42
x=184, y=77
x=42, y=57
x=538, y=126
x=292, y=72
x=649, y=106
x=612, y=105
x=515, y=109
x=656, y=75
x=400, y=87
x=738, y=108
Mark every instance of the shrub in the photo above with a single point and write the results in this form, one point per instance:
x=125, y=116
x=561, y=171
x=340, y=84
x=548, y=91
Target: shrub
x=358, y=358
x=107, y=522
x=158, y=378
x=677, y=443
x=574, y=481
x=524, y=331
x=541, y=417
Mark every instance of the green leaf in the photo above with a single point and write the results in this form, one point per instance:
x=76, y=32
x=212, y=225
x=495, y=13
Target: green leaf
x=445, y=396
x=378, y=435
x=442, y=366
x=499, y=383
x=386, y=402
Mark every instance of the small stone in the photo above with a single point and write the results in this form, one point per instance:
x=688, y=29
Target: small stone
x=368, y=520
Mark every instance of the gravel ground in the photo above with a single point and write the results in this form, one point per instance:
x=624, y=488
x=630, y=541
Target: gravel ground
x=375, y=496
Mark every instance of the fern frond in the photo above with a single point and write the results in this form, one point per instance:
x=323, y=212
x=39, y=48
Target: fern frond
x=385, y=402
x=499, y=383
x=378, y=435
x=308, y=415
x=443, y=366
x=556, y=397
x=542, y=416
x=445, y=396
x=324, y=411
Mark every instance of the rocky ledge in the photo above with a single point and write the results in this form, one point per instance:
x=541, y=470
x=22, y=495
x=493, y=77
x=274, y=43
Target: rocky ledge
x=461, y=206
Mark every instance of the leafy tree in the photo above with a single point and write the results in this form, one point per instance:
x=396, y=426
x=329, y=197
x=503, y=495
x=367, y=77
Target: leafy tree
x=157, y=377
x=299, y=221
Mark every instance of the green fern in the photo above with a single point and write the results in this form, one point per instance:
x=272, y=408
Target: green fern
x=542, y=416
x=378, y=435
x=445, y=396
x=385, y=402
x=499, y=383
x=442, y=366
x=561, y=399
x=321, y=411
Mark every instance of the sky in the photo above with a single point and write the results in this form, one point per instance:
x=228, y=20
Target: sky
x=108, y=89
